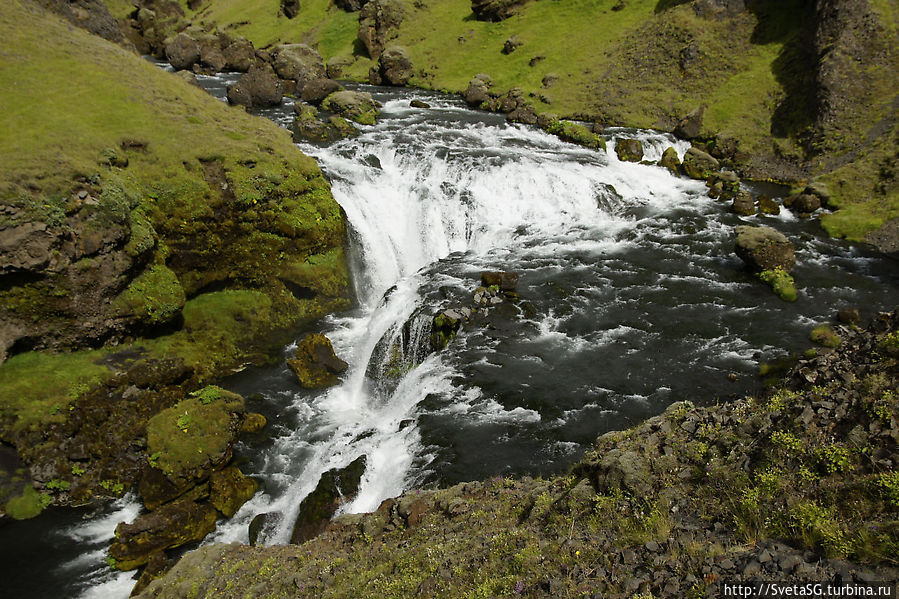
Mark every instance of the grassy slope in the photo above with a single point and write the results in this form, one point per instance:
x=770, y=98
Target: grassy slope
x=67, y=104
x=622, y=67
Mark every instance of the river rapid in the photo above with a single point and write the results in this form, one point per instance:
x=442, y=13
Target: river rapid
x=631, y=298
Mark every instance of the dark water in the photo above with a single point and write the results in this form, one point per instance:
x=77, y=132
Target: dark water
x=630, y=298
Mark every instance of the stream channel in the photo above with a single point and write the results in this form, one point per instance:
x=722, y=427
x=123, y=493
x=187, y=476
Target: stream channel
x=631, y=298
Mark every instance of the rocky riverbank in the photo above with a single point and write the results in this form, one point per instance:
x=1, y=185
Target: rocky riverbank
x=767, y=86
x=153, y=240
x=797, y=484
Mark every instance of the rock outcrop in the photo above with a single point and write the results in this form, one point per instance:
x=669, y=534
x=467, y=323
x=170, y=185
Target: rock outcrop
x=496, y=10
x=379, y=21
x=314, y=363
x=394, y=67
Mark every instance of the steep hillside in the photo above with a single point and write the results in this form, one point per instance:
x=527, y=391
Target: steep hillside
x=789, y=90
x=155, y=237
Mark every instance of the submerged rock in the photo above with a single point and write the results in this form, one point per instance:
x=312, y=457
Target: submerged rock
x=505, y=280
x=315, y=364
x=763, y=248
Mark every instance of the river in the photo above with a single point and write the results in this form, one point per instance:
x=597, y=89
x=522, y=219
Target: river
x=631, y=298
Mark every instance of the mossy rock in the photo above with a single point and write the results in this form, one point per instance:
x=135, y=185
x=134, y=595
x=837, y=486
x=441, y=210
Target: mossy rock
x=825, y=335
x=576, y=133
x=155, y=297
x=356, y=106
x=670, y=161
x=229, y=489
x=629, y=150
x=315, y=364
x=253, y=423
x=195, y=435
x=170, y=526
x=763, y=248
x=699, y=165
x=27, y=505
x=781, y=282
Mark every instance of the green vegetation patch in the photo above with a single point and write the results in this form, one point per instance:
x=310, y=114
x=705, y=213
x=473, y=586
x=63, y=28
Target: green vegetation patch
x=197, y=430
x=27, y=505
x=781, y=283
x=155, y=296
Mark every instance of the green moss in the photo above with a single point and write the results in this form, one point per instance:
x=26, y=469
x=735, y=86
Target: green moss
x=781, y=282
x=155, y=296
x=34, y=383
x=188, y=435
x=27, y=505
x=825, y=335
x=575, y=133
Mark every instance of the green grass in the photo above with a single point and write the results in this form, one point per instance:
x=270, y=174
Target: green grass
x=37, y=388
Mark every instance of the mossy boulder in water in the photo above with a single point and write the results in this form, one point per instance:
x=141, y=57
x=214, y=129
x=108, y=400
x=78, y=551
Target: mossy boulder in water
x=781, y=283
x=229, y=489
x=629, y=150
x=743, y=204
x=315, y=363
x=699, y=165
x=356, y=106
x=576, y=133
x=172, y=525
x=763, y=248
x=670, y=160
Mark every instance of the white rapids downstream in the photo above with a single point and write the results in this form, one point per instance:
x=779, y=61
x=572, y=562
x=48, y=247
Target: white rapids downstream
x=631, y=298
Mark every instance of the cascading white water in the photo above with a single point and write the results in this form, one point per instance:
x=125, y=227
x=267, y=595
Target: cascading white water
x=415, y=192
x=636, y=301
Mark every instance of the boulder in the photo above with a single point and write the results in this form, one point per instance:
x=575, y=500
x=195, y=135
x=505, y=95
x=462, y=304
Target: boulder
x=335, y=487
x=670, y=160
x=379, y=21
x=478, y=90
x=350, y=5
x=743, y=204
x=356, y=106
x=699, y=165
x=690, y=126
x=624, y=470
x=512, y=44
x=395, y=66
x=763, y=248
x=768, y=206
x=419, y=104
x=25, y=247
x=212, y=59
x=239, y=55
x=818, y=188
x=188, y=77
x=182, y=52
x=290, y=8
x=258, y=87
x=229, y=489
x=315, y=91
x=496, y=10
x=506, y=281
x=803, y=203
x=315, y=363
x=629, y=150
x=335, y=66
x=297, y=62
x=170, y=526
x=257, y=524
